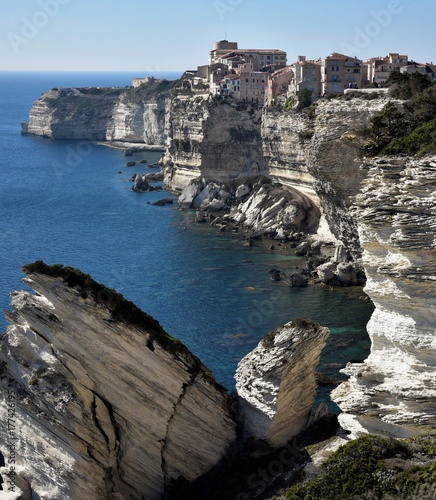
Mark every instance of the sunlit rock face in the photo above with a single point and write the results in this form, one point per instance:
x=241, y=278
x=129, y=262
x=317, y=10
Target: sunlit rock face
x=107, y=405
x=135, y=119
x=102, y=114
x=72, y=115
x=276, y=382
x=215, y=140
x=394, y=390
x=318, y=153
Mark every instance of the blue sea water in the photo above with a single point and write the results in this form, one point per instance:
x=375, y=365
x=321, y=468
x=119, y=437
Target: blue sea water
x=71, y=203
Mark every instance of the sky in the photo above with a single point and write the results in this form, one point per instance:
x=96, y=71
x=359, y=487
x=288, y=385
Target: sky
x=149, y=36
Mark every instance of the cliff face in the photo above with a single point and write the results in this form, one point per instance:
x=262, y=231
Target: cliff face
x=72, y=114
x=317, y=152
x=382, y=212
x=394, y=390
x=103, y=114
x=217, y=140
x=107, y=405
x=140, y=116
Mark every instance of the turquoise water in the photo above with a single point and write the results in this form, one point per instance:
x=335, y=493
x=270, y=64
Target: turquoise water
x=71, y=203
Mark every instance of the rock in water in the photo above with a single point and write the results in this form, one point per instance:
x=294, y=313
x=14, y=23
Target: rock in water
x=105, y=404
x=276, y=382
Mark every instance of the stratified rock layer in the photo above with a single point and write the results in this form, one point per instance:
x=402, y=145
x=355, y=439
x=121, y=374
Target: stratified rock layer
x=394, y=391
x=108, y=406
x=276, y=382
x=213, y=139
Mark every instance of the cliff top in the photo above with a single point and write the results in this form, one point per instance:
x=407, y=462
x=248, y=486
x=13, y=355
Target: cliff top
x=121, y=309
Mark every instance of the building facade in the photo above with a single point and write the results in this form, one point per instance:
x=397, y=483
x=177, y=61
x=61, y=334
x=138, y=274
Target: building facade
x=340, y=72
x=380, y=68
x=307, y=75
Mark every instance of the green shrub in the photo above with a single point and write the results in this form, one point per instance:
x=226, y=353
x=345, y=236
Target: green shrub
x=306, y=135
x=304, y=99
x=374, y=467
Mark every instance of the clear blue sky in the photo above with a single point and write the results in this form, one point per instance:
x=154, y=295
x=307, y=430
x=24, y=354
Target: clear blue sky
x=166, y=35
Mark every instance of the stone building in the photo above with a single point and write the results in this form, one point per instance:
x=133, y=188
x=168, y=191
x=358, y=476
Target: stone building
x=340, y=72
x=307, y=75
x=378, y=69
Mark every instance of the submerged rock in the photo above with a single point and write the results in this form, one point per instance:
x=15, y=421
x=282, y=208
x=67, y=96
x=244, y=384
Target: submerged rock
x=276, y=382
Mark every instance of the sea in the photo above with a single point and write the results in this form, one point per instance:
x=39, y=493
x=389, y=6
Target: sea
x=71, y=203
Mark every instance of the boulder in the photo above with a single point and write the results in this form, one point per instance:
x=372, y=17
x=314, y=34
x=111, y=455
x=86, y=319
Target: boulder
x=216, y=205
x=205, y=196
x=326, y=272
x=163, y=201
x=131, y=164
x=141, y=184
x=298, y=279
x=242, y=191
x=346, y=274
x=302, y=248
x=189, y=193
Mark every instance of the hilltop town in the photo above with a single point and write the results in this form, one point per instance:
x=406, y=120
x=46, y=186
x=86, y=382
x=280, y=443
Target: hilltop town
x=264, y=75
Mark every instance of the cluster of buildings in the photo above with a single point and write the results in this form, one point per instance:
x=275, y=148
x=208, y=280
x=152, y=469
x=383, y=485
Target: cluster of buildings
x=263, y=76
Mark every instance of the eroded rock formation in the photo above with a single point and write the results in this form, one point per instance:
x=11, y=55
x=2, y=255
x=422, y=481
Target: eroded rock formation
x=394, y=390
x=276, y=382
x=213, y=139
x=108, y=406
x=382, y=213
x=256, y=203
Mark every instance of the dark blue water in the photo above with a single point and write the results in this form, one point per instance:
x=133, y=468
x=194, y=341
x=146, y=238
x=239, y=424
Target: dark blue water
x=71, y=203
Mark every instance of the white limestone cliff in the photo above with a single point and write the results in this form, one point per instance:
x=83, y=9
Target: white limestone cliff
x=107, y=405
x=276, y=382
x=212, y=139
x=103, y=114
x=394, y=390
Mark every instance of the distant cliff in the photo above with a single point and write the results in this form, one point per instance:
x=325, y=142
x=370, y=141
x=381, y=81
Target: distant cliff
x=103, y=114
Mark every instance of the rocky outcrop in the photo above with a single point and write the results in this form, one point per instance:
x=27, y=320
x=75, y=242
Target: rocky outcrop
x=378, y=212
x=276, y=382
x=106, y=404
x=140, y=117
x=213, y=139
x=394, y=390
x=258, y=204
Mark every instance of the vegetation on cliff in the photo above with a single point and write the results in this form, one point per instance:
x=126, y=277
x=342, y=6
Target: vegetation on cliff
x=121, y=309
x=374, y=467
x=408, y=128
